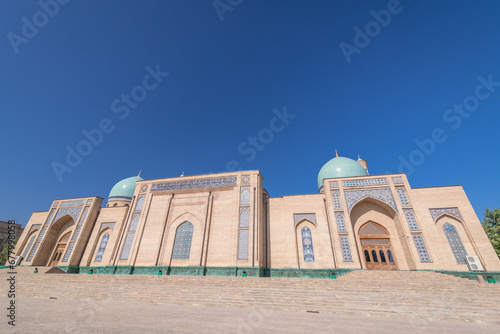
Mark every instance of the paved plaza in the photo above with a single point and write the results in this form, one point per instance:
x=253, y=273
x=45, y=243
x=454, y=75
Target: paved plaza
x=43, y=315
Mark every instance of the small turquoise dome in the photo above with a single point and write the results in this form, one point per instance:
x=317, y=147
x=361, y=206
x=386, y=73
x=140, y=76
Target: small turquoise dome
x=124, y=190
x=340, y=167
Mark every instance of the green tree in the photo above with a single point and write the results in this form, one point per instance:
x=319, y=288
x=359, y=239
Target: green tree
x=4, y=254
x=491, y=225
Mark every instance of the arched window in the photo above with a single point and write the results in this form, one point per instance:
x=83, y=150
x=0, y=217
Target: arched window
x=307, y=244
x=102, y=248
x=140, y=203
x=412, y=222
x=389, y=255
x=367, y=256
x=182, y=243
x=374, y=255
x=116, y=204
x=29, y=246
x=382, y=256
x=245, y=197
x=403, y=197
x=134, y=223
x=244, y=218
x=341, y=222
x=455, y=242
x=336, y=199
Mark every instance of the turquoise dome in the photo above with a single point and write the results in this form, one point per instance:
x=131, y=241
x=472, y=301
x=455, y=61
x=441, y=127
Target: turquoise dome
x=340, y=167
x=124, y=190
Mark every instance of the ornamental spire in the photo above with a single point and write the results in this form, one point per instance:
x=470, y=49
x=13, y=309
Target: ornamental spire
x=139, y=173
x=336, y=153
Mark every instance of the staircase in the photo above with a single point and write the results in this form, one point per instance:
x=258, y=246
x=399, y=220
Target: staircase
x=420, y=295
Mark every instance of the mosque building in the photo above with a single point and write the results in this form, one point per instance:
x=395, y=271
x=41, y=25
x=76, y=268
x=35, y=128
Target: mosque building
x=227, y=224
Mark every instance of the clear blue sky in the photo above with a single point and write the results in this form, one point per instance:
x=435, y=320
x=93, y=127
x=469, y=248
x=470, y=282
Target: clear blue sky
x=226, y=77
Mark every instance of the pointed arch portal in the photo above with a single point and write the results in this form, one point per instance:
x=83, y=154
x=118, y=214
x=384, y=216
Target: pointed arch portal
x=376, y=247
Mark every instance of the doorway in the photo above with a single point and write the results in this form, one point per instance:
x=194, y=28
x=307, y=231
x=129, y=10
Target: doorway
x=376, y=247
x=61, y=245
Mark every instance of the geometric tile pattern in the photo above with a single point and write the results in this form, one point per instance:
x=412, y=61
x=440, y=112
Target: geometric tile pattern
x=243, y=244
x=372, y=229
x=51, y=215
x=346, y=250
x=245, y=196
x=182, y=243
x=369, y=182
x=411, y=220
x=398, y=180
x=455, y=242
x=422, y=250
x=73, y=212
x=102, y=248
x=42, y=233
x=29, y=246
x=33, y=251
x=68, y=253
x=134, y=223
x=297, y=217
x=89, y=201
x=334, y=184
x=403, y=198
x=55, y=205
x=140, y=203
x=80, y=223
x=336, y=199
x=341, y=222
x=244, y=219
x=307, y=245
x=73, y=203
x=212, y=182
x=435, y=213
x=384, y=195
x=127, y=245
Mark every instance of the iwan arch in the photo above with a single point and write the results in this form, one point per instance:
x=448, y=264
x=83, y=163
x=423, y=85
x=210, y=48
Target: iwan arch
x=226, y=224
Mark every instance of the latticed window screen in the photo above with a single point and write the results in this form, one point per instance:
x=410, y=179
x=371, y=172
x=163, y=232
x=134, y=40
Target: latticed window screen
x=307, y=244
x=29, y=246
x=336, y=199
x=455, y=242
x=33, y=251
x=102, y=248
x=341, y=222
x=346, y=249
x=422, y=250
x=244, y=219
x=182, y=244
x=403, y=197
x=412, y=222
x=140, y=203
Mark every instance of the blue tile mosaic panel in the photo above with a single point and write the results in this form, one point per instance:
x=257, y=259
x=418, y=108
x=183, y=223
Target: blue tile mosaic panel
x=421, y=249
x=398, y=180
x=33, y=251
x=182, y=243
x=212, y=182
x=243, y=244
x=435, y=213
x=245, y=196
x=411, y=220
x=297, y=217
x=336, y=199
x=29, y=246
x=42, y=233
x=55, y=205
x=346, y=249
x=49, y=218
x=102, y=248
x=127, y=246
x=73, y=212
x=244, y=218
x=455, y=242
x=341, y=222
x=334, y=184
x=366, y=182
x=403, y=197
x=307, y=244
x=354, y=196
x=68, y=252
x=73, y=203
x=140, y=203
x=134, y=223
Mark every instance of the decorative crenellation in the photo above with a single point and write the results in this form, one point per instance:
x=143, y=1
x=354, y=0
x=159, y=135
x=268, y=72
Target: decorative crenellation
x=68, y=252
x=346, y=249
x=334, y=184
x=73, y=203
x=202, y=183
x=365, y=182
x=297, y=217
x=435, y=213
x=106, y=225
x=398, y=180
x=354, y=196
x=73, y=212
x=421, y=249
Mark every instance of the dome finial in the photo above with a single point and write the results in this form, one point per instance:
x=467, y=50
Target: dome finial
x=182, y=175
x=359, y=157
x=139, y=173
x=336, y=153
